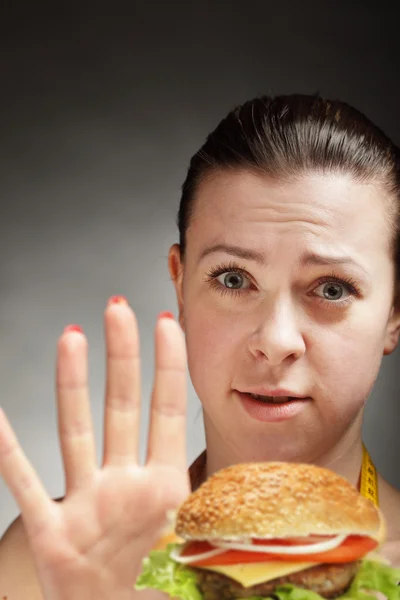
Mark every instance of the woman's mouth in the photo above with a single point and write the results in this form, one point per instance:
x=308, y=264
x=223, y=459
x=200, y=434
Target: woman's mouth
x=272, y=409
x=273, y=399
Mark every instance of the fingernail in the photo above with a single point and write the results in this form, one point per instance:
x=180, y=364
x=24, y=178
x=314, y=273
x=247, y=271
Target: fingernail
x=166, y=315
x=117, y=300
x=69, y=328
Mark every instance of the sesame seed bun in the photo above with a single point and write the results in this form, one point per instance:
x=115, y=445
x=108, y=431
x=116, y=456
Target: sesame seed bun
x=277, y=499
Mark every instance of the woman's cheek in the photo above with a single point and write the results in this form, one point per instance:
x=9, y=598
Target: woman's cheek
x=207, y=337
x=349, y=372
x=210, y=345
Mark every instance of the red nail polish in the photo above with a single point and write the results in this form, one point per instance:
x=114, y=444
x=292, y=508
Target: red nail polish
x=117, y=300
x=69, y=328
x=166, y=315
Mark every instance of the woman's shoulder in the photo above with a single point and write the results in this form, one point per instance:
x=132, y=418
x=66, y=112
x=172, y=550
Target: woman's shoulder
x=17, y=570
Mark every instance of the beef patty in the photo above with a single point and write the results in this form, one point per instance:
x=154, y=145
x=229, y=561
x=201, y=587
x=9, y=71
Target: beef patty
x=328, y=580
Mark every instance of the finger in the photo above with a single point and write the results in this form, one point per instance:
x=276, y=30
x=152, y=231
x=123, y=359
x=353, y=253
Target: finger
x=167, y=437
x=123, y=388
x=75, y=427
x=22, y=480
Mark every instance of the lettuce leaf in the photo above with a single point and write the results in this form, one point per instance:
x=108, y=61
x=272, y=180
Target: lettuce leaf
x=374, y=576
x=161, y=572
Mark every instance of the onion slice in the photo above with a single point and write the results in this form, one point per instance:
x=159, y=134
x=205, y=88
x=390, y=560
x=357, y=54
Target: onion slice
x=176, y=555
x=301, y=549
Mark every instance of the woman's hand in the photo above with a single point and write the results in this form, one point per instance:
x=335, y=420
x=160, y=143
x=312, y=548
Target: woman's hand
x=91, y=545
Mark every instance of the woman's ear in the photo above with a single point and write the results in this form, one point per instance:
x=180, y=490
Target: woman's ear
x=393, y=327
x=175, y=266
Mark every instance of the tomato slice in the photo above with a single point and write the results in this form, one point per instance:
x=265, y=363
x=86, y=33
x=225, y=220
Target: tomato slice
x=196, y=548
x=351, y=549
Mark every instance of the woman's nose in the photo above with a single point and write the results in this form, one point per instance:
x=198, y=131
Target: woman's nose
x=277, y=335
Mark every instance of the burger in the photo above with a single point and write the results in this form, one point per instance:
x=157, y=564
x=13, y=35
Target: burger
x=282, y=531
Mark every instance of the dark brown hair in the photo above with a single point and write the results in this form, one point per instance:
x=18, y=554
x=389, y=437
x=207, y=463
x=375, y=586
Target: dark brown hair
x=286, y=136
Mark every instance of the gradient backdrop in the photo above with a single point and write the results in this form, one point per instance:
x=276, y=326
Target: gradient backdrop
x=101, y=114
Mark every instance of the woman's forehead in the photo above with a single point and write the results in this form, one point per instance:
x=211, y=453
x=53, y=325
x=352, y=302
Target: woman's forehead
x=322, y=204
x=326, y=214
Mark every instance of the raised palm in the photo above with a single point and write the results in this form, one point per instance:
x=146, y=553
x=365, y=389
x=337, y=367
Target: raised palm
x=91, y=544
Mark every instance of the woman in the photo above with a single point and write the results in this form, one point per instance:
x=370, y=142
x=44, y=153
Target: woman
x=287, y=276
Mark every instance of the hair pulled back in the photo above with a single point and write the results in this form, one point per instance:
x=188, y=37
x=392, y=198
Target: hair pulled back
x=288, y=136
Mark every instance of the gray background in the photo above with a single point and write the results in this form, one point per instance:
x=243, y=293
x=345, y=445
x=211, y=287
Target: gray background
x=100, y=116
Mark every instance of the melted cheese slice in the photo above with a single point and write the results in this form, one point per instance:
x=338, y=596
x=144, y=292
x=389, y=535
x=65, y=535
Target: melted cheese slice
x=249, y=574
x=167, y=537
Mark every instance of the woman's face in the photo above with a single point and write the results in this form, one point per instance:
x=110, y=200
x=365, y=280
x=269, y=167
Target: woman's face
x=301, y=300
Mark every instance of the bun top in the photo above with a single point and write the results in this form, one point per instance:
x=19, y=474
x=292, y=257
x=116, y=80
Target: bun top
x=276, y=499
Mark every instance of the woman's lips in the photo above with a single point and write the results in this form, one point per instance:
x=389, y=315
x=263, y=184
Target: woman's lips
x=270, y=412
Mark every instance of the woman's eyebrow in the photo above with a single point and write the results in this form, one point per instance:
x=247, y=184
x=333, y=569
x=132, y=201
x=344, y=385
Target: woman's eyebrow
x=311, y=258
x=237, y=251
x=305, y=260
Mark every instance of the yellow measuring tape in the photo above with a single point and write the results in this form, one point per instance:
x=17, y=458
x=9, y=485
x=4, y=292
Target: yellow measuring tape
x=369, y=478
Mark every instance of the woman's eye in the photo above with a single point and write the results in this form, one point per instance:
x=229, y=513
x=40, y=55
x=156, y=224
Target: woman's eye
x=332, y=290
x=233, y=280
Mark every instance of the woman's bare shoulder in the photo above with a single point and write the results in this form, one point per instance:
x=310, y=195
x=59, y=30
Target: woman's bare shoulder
x=14, y=539
x=389, y=498
x=17, y=571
